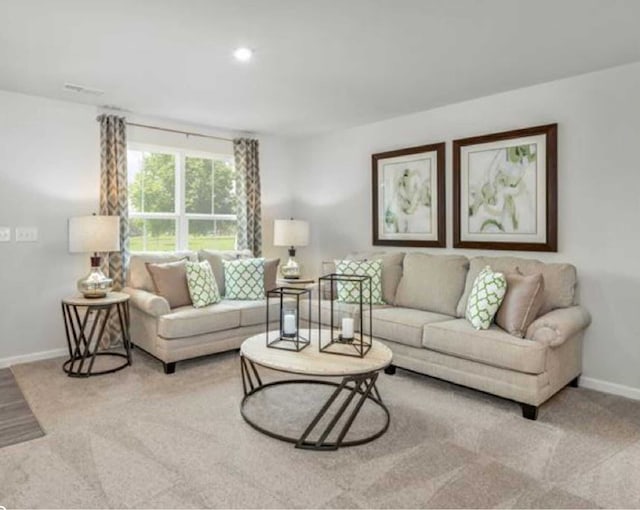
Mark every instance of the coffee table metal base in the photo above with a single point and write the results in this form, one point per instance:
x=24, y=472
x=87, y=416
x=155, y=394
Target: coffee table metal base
x=358, y=389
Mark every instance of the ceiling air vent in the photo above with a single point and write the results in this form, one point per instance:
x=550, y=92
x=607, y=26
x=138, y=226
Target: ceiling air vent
x=81, y=89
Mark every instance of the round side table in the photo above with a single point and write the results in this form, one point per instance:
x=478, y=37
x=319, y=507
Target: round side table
x=86, y=323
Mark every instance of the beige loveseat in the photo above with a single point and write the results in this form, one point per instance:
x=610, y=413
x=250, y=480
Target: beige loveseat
x=173, y=335
x=423, y=323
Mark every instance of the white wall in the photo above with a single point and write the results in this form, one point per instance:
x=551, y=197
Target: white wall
x=599, y=192
x=49, y=171
x=49, y=161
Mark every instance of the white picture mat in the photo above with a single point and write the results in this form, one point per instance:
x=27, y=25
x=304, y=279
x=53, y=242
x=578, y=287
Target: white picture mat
x=540, y=235
x=387, y=172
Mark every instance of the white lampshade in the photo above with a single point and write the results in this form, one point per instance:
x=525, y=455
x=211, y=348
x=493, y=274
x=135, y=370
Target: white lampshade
x=95, y=234
x=290, y=233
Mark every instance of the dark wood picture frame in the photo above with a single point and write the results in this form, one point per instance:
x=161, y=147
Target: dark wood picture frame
x=551, y=168
x=441, y=237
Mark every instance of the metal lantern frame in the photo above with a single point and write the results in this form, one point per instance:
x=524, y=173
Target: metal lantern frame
x=361, y=342
x=288, y=296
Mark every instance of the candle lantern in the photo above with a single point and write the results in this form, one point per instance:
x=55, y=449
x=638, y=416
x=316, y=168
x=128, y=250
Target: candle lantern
x=283, y=308
x=348, y=334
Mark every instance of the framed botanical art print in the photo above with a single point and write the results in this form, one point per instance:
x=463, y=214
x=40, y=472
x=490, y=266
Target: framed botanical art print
x=409, y=197
x=505, y=190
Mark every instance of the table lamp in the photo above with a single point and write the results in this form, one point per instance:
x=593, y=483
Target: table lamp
x=290, y=233
x=94, y=234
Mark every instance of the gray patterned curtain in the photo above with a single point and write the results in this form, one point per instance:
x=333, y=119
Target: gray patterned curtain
x=113, y=190
x=245, y=151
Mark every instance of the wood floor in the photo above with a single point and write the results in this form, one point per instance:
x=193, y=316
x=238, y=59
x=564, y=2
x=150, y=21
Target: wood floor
x=17, y=422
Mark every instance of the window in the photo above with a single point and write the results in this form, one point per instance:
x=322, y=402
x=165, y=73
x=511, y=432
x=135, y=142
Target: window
x=180, y=200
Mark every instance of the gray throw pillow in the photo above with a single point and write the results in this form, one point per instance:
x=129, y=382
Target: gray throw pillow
x=521, y=304
x=170, y=282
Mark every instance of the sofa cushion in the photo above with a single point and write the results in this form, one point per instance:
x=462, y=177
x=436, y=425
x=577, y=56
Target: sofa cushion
x=433, y=283
x=492, y=346
x=139, y=278
x=170, y=282
x=271, y=274
x=340, y=311
x=189, y=321
x=215, y=258
x=255, y=312
x=401, y=325
x=559, y=279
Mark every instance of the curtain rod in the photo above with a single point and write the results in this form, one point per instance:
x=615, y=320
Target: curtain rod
x=187, y=133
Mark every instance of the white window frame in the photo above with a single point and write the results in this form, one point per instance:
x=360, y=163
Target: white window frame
x=180, y=215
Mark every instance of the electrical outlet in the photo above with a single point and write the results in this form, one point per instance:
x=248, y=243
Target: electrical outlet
x=5, y=234
x=26, y=234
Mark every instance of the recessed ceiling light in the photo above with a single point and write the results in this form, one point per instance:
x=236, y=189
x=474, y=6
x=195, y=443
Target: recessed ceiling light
x=243, y=54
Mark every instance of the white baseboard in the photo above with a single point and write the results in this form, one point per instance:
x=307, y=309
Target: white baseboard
x=35, y=356
x=609, y=387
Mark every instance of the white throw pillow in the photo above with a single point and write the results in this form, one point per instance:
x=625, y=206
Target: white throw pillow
x=244, y=279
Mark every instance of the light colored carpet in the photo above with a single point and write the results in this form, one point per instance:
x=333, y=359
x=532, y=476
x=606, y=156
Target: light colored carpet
x=139, y=438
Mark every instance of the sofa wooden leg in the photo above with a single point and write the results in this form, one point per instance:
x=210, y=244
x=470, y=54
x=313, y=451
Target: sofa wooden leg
x=529, y=412
x=575, y=382
x=169, y=368
x=390, y=370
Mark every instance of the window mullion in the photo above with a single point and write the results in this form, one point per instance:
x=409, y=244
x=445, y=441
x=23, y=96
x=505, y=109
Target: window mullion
x=182, y=222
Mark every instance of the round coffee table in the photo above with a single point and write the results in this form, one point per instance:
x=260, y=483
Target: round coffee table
x=358, y=383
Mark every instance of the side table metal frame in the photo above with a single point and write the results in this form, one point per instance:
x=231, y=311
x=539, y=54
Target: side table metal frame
x=85, y=346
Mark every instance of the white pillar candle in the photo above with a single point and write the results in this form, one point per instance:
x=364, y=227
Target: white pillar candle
x=289, y=324
x=347, y=328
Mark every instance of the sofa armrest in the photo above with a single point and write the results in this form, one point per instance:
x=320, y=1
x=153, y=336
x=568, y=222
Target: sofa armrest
x=553, y=328
x=148, y=302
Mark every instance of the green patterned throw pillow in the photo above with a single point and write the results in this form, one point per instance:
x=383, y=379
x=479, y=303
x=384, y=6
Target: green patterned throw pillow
x=244, y=279
x=348, y=292
x=203, y=288
x=486, y=296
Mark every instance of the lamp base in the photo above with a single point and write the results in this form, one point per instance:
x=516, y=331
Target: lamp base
x=291, y=270
x=96, y=284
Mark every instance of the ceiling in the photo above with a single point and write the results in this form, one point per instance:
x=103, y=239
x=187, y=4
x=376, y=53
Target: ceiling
x=319, y=64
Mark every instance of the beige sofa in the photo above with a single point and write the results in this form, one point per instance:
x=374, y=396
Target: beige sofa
x=173, y=335
x=424, y=326
x=423, y=323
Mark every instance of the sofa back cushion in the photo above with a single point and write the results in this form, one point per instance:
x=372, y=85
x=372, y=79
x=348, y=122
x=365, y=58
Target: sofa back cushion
x=215, y=258
x=271, y=274
x=391, y=271
x=432, y=282
x=559, y=279
x=138, y=276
